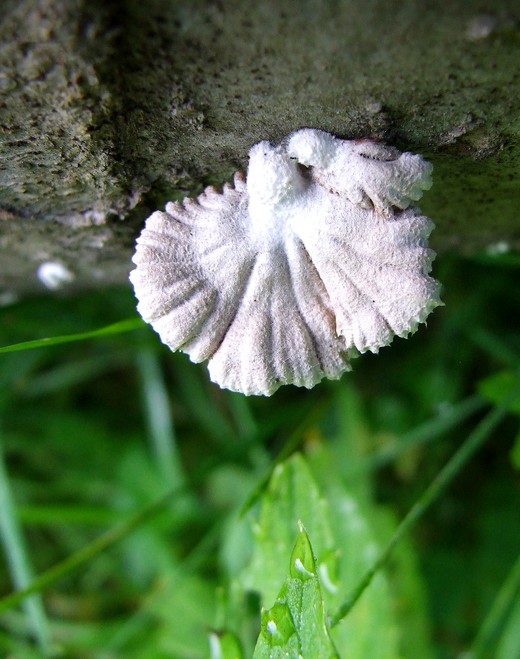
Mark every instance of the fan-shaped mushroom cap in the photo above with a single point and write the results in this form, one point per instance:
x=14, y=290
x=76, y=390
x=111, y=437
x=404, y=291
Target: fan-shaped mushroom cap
x=369, y=174
x=284, y=278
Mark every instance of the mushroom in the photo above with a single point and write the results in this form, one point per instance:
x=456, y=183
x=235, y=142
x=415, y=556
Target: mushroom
x=285, y=276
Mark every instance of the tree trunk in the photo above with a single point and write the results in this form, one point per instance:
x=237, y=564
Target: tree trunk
x=109, y=110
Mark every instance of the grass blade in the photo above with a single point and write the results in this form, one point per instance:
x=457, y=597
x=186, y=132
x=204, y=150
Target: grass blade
x=158, y=418
x=424, y=433
x=494, y=621
x=120, y=327
x=473, y=442
x=87, y=553
x=17, y=558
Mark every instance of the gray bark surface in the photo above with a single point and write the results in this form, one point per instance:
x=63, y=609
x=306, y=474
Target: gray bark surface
x=108, y=110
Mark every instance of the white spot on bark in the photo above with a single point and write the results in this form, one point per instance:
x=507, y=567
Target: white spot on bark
x=480, y=27
x=7, y=298
x=54, y=275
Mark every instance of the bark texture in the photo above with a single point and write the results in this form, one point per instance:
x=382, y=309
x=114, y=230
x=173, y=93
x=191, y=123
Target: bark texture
x=110, y=109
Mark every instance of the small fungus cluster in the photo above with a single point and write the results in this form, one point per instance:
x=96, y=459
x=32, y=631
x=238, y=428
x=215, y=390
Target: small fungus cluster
x=286, y=275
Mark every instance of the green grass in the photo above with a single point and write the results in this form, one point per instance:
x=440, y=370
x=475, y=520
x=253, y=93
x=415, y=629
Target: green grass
x=146, y=513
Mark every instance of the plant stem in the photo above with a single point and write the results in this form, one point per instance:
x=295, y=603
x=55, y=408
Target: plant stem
x=473, y=442
x=116, y=328
x=159, y=419
x=16, y=553
x=85, y=554
x=497, y=616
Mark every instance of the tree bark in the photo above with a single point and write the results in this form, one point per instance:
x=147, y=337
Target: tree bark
x=108, y=110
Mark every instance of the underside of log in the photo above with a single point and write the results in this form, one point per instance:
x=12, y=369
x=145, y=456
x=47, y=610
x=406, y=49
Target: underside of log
x=108, y=110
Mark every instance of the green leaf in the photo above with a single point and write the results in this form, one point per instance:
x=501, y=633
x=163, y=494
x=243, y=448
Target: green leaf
x=180, y=609
x=497, y=387
x=509, y=642
x=303, y=565
x=344, y=546
x=515, y=452
x=296, y=625
x=225, y=645
x=500, y=629
x=278, y=628
x=291, y=496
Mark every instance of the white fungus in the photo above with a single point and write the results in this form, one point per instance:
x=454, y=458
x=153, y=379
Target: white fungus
x=54, y=275
x=285, y=276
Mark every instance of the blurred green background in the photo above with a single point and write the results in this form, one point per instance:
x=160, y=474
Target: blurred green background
x=96, y=430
